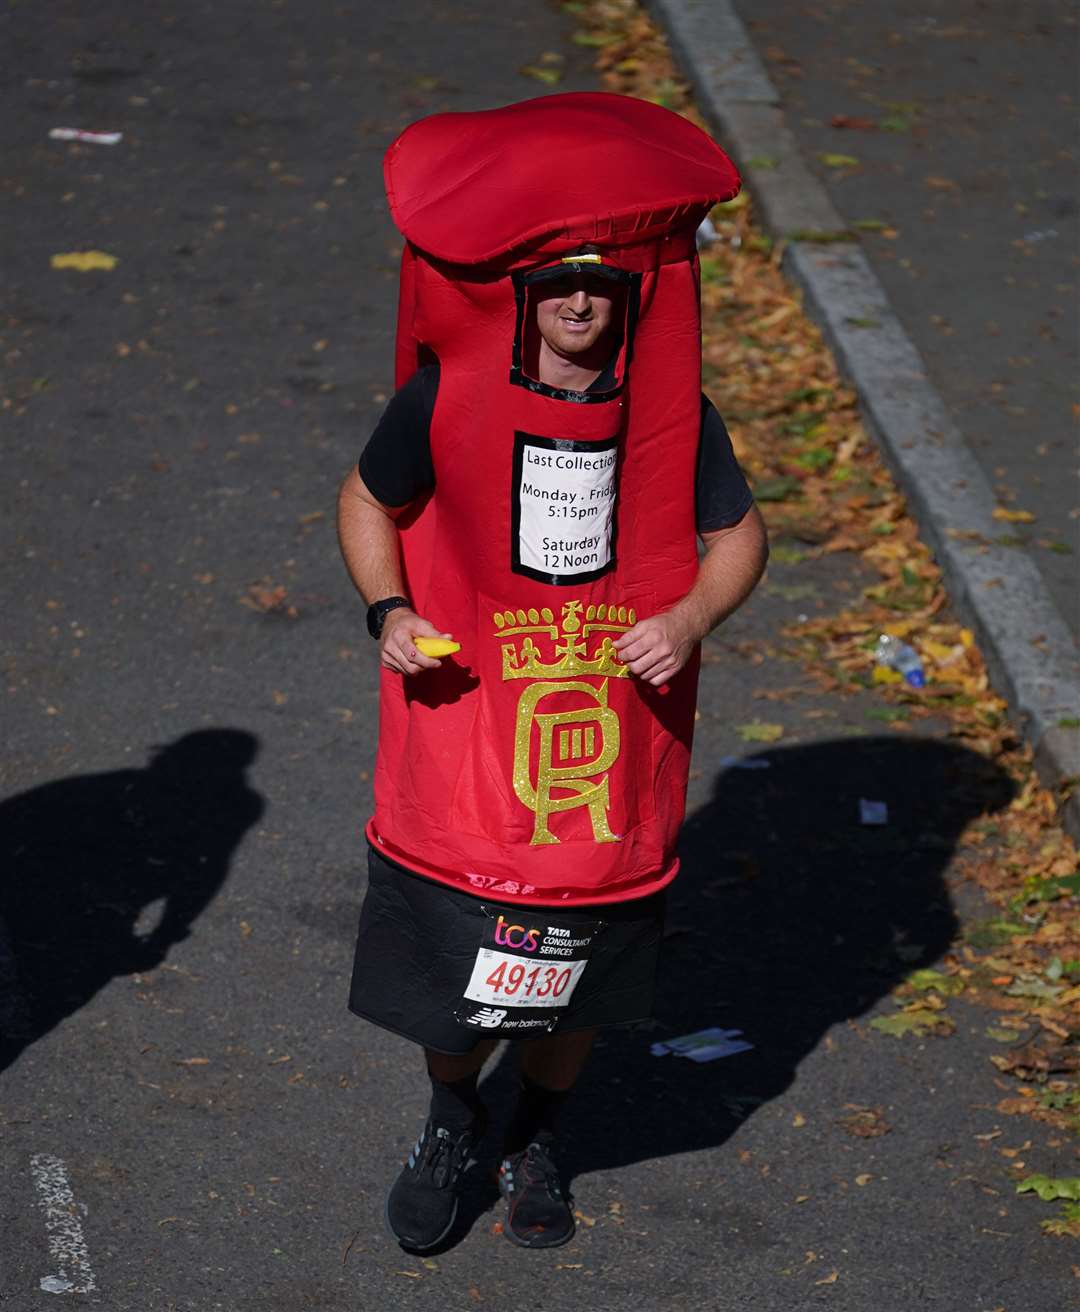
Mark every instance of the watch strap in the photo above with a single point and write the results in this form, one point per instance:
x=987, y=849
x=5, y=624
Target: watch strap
x=378, y=611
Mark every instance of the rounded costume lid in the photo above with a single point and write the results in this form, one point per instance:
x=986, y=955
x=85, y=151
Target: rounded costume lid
x=468, y=188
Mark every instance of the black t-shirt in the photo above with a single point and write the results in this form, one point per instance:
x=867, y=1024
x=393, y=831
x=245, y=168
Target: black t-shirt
x=396, y=463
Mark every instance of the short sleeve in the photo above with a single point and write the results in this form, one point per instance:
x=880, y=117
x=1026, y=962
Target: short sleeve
x=396, y=463
x=722, y=494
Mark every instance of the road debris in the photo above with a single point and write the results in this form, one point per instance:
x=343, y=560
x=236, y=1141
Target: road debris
x=703, y=1045
x=93, y=138
x=873, y=813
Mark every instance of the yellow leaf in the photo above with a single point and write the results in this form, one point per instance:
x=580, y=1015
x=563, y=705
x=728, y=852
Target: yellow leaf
x=883, y=674
x=758, y=731
x=940, y=653
x=839, y=161
x=1013, y=516
x=550, y=76
x=830, y=1279
x=84, y=261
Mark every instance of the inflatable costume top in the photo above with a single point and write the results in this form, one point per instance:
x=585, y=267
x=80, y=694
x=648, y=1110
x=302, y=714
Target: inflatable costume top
x=534, y=766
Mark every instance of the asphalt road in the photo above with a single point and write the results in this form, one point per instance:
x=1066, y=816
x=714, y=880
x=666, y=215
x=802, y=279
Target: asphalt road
x=962, y=120
x=191, y=1118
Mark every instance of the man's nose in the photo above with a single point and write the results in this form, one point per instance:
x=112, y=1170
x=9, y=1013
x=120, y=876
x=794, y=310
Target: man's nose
x=578, y=301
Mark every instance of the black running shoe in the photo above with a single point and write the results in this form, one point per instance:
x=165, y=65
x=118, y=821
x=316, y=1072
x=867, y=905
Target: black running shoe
x=537, y=1215
x=423, y=1202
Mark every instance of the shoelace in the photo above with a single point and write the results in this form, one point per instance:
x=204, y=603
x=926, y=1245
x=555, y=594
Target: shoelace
x=538, y=1168
x=438, y=1157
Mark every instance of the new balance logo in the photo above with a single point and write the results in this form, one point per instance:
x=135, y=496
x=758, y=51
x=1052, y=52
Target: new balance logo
x=487, y=1017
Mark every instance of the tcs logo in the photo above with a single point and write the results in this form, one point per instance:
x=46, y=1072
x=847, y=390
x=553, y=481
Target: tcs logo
x=516, y=936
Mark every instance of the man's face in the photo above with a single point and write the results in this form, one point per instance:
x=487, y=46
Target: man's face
x=574, y=312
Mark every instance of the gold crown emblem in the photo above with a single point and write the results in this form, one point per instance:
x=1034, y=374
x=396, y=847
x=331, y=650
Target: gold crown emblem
x=572, y=641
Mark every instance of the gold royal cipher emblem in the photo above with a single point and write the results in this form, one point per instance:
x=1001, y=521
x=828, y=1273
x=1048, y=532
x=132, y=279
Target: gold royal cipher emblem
x=586, y=741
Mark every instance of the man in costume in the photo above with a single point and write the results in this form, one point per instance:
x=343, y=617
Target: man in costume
x=534, y=492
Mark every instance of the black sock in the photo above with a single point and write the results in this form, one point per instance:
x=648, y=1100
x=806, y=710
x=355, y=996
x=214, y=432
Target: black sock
x=456, y=1105
x=536, y=1115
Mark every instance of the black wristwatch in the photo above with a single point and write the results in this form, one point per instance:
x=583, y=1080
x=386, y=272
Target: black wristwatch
x=378, y=611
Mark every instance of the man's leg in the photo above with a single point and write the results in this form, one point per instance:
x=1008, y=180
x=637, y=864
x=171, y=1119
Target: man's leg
x=556, y=1060
x=455, y=1102
x=424, y=1199
x=549, y=1069
x=539, y=1215
x=444, y=1067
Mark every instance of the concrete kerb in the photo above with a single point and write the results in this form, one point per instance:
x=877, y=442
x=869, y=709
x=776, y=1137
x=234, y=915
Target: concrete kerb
x=999, y=592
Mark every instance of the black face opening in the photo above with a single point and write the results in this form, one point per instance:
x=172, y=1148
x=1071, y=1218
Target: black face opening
x=581, y=312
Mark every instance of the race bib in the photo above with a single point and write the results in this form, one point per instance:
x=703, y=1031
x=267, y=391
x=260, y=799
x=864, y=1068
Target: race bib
x=525, y=973
x=563, y=511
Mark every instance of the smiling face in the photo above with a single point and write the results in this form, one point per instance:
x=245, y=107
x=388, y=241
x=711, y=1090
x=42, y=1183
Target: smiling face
x=575, y=317
x=574, y=313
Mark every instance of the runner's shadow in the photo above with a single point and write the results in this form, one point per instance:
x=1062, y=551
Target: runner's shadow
x=789, y=917
x=84, y=861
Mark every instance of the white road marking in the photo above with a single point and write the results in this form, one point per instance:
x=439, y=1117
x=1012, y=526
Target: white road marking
x=67, y=1243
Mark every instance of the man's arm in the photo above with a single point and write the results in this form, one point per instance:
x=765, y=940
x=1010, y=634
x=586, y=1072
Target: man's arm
x=368, y=536
x=658, y=647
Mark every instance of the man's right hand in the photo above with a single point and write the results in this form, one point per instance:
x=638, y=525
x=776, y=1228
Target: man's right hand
x=396, y=646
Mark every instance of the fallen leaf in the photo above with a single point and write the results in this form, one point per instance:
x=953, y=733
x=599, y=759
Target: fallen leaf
x=597, y=39
x=918, y=1021
x=864, y=1122
x=546, y=69
x=1049, y=1188
x=84, y=261
x=759, y=731
x=830, y=1279
x=1013, y=516
x=832, y=161
x=933, y=979
x=852, y=122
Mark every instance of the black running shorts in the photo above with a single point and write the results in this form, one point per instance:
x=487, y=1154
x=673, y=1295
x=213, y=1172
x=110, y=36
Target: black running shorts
x=446, y=968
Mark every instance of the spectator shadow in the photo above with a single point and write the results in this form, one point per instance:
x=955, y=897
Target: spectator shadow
x=87, y=860
x=788, y=917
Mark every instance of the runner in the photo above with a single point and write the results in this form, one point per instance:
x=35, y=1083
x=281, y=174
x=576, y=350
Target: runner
x=523, y=525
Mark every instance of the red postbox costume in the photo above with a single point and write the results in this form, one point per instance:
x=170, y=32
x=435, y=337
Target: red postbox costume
x=533, y=767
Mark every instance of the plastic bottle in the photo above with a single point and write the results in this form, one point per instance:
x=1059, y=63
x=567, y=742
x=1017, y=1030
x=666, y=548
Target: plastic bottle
x=899, y=656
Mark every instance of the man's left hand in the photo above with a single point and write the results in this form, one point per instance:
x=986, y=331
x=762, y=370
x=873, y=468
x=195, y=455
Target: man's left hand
x=657, y=648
